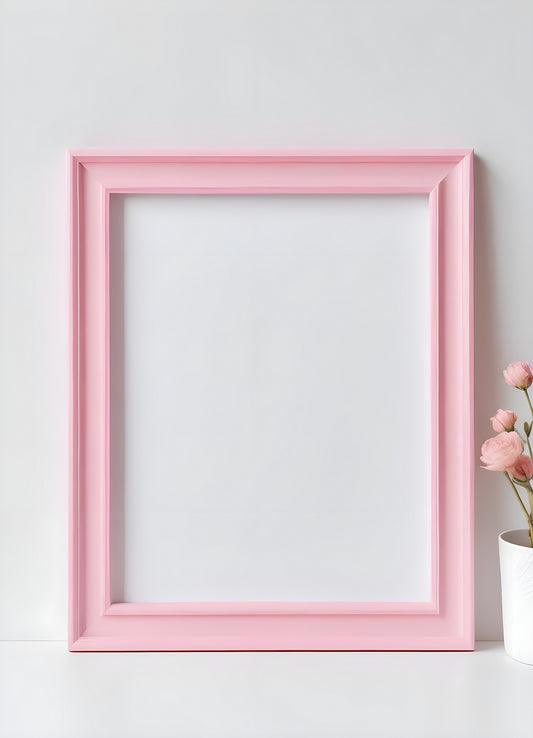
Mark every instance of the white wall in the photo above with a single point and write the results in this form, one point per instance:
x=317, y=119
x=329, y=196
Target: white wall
x=304, y=74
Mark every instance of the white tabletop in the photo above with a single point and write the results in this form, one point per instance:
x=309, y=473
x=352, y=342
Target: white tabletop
x=45, y=691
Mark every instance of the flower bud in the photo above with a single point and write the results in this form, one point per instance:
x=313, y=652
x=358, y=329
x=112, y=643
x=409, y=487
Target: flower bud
x=504, y=420
x=519, y=375
x=522, y=469
x=502, y=451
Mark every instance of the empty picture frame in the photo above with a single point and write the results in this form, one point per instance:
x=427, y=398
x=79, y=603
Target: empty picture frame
x=271, y=426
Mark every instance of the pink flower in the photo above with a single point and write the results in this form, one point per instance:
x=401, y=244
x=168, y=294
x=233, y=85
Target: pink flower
x=522, y=469
x=501, y=452
x=504, y=420
x=519, y=375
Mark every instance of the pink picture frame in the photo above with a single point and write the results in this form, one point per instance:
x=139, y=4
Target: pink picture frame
x=446, y=621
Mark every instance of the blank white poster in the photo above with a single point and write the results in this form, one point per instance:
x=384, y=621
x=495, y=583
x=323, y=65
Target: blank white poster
x=270, y=398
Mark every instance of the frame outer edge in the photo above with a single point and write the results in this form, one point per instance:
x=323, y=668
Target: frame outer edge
x=97, y=155
x=464, y=636
x=73, y=599
x=468, y=245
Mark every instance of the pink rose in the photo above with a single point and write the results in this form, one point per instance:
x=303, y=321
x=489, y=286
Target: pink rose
x=504, y=420
x=519, y=375
x=501, y=451
x=522, y=469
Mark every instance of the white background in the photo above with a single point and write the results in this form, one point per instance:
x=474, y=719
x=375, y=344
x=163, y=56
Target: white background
x=258, y=451
x=302, y=74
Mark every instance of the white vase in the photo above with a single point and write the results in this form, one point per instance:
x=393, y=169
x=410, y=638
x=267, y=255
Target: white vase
x=516, y=567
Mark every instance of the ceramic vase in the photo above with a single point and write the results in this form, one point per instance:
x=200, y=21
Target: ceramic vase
x=516, y=568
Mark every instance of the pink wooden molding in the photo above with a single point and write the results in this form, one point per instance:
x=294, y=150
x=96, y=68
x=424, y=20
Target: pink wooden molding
x=446, y=620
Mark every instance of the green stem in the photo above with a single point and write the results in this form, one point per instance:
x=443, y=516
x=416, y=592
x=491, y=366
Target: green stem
x=529, y=402
x=529, y=517
x=527, y=434
x=518, y=497
x=529, y=491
